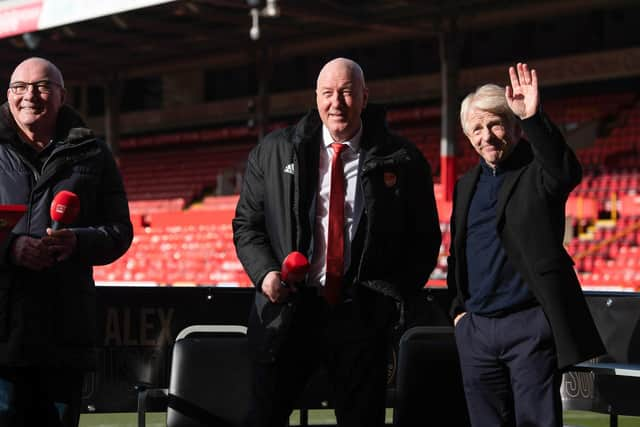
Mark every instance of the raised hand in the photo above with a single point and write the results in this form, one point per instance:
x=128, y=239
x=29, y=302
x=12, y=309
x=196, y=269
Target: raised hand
x=522, y=95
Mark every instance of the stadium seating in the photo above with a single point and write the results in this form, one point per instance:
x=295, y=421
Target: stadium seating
x=142, y=207
x=169, y=177
x=178, y=172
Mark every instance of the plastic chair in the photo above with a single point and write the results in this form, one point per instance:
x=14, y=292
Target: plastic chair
x=429, y=387
x=209, y=378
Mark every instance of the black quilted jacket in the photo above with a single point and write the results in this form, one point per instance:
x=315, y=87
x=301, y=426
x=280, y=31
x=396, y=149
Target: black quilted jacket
x=47, y=318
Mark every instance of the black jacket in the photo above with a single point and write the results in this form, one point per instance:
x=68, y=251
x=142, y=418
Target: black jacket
x=540, y=174
x=400, y=228
x=48, y=317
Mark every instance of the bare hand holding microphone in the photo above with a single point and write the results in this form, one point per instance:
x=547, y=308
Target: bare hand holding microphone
x=60, y=241
x=278, y=285
x=58, y=244
x=30, y=252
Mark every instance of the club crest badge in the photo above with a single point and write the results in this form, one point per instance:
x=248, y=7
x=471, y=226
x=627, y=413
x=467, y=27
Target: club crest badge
x=390, y=179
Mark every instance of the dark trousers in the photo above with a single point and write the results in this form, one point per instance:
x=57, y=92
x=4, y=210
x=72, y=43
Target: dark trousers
x=341, y=339
x=509, y=370
x=44, y=397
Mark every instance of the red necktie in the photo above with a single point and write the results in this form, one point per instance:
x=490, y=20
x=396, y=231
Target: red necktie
x=335, y=236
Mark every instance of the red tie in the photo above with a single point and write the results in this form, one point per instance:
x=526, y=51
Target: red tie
x=335, y=237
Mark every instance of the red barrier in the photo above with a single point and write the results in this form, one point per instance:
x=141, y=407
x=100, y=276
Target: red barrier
x=222, y=212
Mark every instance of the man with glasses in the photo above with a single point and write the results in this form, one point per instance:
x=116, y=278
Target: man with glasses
x=47, y=292
x=42, y=86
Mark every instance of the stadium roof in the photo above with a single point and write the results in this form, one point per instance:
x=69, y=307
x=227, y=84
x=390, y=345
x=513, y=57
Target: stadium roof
x=164, y=35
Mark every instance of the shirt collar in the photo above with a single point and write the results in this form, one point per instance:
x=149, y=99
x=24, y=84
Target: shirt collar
x=353, y=143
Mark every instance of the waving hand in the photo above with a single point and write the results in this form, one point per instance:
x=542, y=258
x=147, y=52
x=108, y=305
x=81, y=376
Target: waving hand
x=522, y=95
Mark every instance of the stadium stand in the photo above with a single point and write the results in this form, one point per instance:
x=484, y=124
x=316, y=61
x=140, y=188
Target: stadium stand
x=178, y=172
x=175, y=81
x=171, y=177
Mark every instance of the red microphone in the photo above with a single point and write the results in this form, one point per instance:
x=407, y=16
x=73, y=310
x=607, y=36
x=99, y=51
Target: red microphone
x=294, y=267
x=65, y=208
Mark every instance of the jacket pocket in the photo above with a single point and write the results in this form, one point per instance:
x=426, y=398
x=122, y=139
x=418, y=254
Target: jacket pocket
x=553, y=263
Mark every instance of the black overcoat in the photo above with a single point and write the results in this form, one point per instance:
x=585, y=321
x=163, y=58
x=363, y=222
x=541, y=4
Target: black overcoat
x=539, y=175
x=276, y=213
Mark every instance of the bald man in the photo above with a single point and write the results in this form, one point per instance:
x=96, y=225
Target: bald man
x=358, y=201
x=47, y=292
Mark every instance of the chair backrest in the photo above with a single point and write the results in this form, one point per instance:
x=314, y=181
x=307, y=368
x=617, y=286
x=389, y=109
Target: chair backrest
x=210, y=377
x=429, y=390
x=617, y=317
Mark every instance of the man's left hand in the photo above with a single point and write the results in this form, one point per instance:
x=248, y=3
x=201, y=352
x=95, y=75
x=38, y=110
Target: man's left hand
x=522, y=95
x=60, y=243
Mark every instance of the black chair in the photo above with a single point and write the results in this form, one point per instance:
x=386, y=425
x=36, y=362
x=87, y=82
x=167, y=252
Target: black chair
x=428, y=389
x=209, y=378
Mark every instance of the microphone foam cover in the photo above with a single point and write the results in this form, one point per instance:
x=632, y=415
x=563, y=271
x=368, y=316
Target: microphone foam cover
x=65, y=207
x=294, y=267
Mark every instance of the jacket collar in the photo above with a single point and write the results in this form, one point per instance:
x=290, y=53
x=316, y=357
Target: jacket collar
x=512, y=167
x=520, y=156
x=70, y=127
x=373, y=122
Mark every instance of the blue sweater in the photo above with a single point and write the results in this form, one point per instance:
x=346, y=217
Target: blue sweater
x=495, y=287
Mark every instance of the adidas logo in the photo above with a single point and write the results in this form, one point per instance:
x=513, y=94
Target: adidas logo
x=290, y=169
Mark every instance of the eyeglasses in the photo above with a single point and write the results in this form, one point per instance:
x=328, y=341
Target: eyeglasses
x=43, y=86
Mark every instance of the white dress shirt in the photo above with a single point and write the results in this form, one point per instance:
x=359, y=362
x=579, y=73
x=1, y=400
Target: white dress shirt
x=352, y=210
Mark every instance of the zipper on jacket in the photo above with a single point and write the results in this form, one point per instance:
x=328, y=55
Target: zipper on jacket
x=54, y=166
x=365, y=244
x=296, y=199
x=58, y=161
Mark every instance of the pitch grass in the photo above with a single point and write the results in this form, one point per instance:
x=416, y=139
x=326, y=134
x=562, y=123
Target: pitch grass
x=325, y=417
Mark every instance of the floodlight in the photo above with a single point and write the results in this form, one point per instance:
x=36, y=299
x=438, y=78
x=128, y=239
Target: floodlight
x=32, y=40
x=271, y=9
x=254, y=32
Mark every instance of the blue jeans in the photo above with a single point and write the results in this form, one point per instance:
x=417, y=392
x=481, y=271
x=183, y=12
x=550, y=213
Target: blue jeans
x=46, y=397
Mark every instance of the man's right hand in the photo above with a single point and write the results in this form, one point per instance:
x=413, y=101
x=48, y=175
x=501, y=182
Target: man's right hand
x=273, y=289
x=458, y=317
x=30, y=253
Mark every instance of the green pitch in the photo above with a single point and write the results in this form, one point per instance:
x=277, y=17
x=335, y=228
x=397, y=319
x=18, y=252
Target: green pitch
x=325, y=417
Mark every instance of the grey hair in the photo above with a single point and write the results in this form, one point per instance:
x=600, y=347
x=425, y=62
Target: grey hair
x=488, y=97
